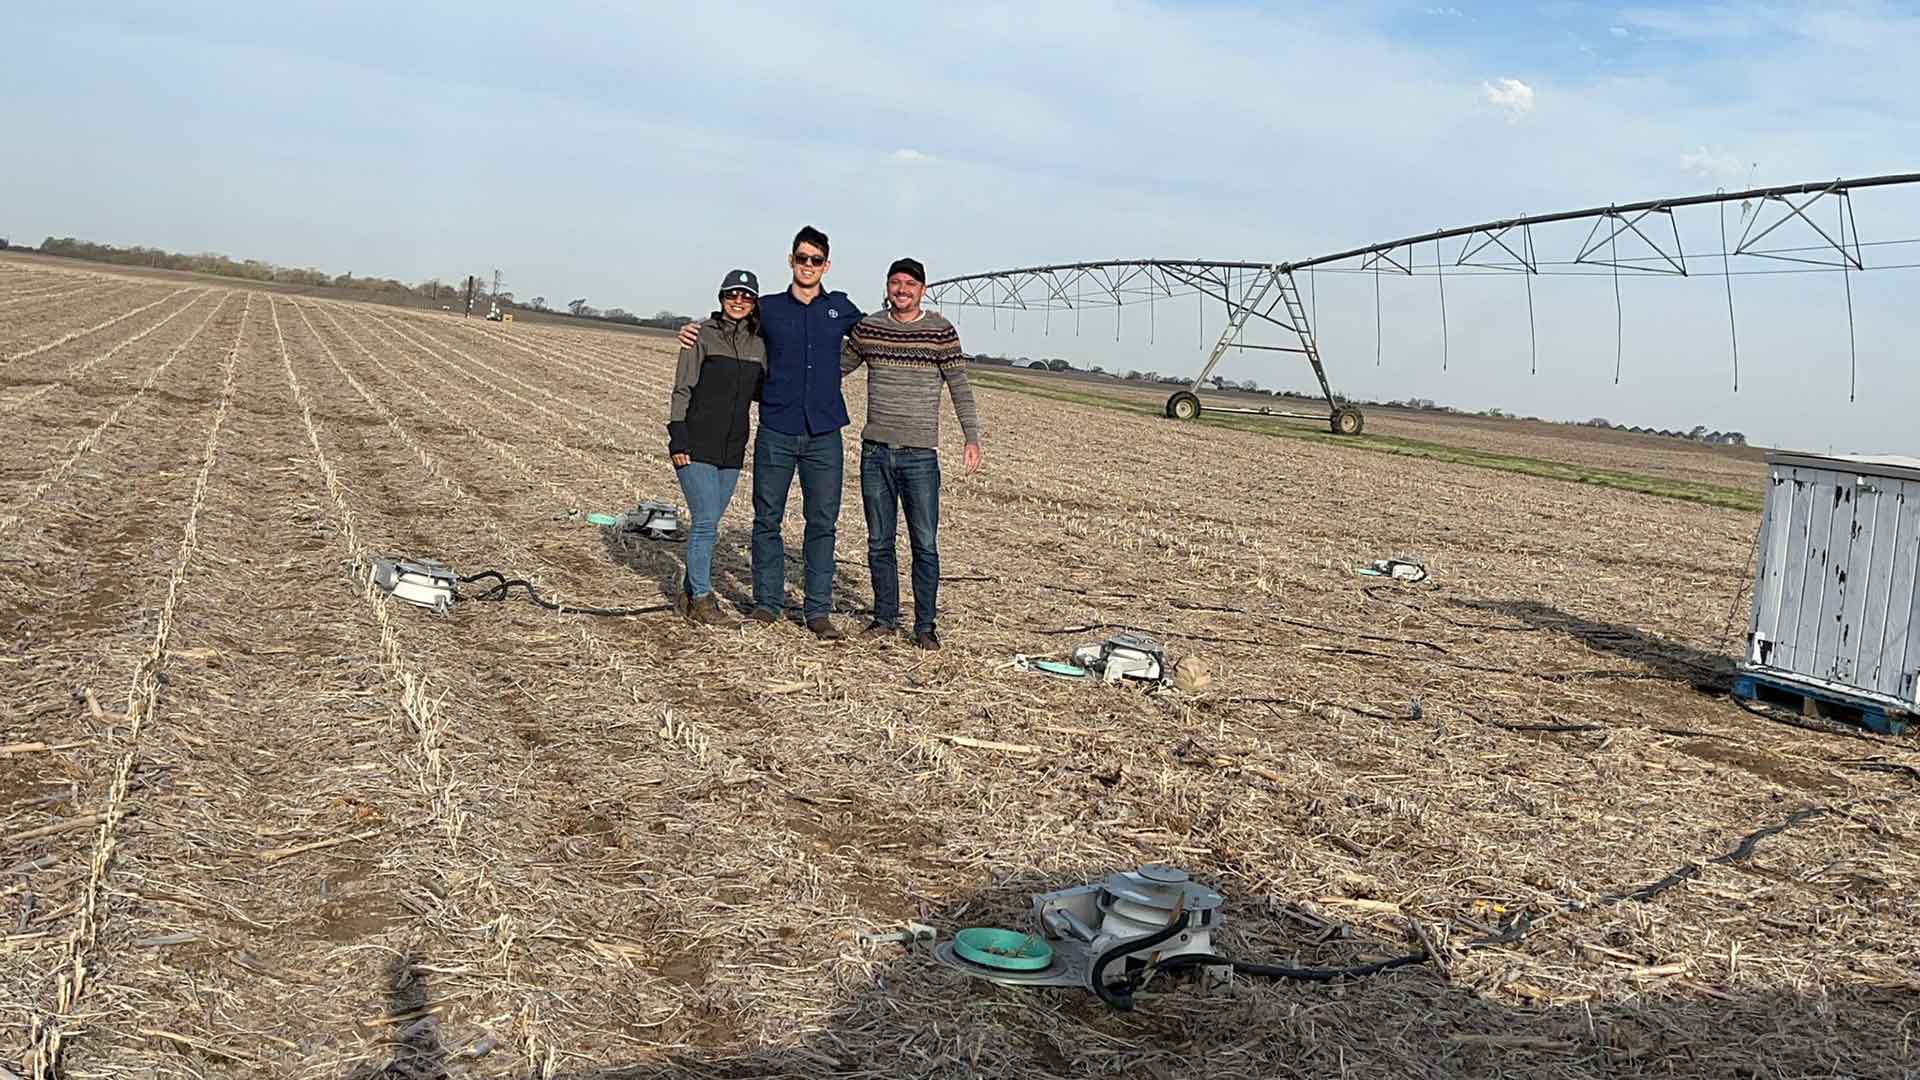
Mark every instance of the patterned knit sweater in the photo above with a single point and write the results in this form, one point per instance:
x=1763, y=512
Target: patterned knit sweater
x=907, y=364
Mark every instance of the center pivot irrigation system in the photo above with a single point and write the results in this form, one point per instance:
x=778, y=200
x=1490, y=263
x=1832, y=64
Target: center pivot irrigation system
x=1818, y=213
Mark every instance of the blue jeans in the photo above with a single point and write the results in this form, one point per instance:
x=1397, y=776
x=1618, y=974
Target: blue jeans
x=820, y=461
x=708, y=488
x=893, y=479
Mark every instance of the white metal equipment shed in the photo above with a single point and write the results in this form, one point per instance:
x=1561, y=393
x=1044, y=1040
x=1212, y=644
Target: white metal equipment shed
x=1836, y=599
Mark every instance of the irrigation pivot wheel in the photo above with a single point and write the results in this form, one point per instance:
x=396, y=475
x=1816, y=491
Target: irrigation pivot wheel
x=1346, y=420
x=1183, y=405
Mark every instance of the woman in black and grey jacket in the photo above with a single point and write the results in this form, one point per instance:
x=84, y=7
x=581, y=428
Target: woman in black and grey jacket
x=707, y=426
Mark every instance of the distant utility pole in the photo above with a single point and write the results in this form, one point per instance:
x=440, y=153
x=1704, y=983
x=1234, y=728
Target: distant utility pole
x=496, y=283
x=469, y=294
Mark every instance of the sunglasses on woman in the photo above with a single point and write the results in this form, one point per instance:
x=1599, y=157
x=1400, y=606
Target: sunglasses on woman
x=740, y=295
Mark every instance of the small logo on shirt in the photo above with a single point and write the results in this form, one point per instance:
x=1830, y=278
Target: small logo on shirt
x=832, y=314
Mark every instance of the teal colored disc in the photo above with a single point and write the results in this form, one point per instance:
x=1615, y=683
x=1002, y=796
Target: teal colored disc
x=603, y=519
x=1065, y=671
x=1008, y=950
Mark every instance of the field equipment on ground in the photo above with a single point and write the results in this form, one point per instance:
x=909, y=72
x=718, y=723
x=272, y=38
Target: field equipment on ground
x=651, y=520
x=422, y=582
x=1154, y=917
x=1408, y=570
x=1136, y=924
x=430, y=584
x=1126, y=656
x=1023, y=662
x=1835, y=621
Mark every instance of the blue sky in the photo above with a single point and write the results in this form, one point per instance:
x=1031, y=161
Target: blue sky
x=631, y=153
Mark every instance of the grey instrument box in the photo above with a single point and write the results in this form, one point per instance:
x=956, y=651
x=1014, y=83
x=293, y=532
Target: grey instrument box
x=1836, y=597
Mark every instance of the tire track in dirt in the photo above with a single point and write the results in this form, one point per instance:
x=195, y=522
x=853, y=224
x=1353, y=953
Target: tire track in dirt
x=56, y=293
x=89, y=292
x=657, y=381
x=76, y=370
x=545, y=434
x=78, y=334
x=85, y=443
x=418, y=701
x=602, y=651
x=676, y=729
x=580, y=407
x=24, y=280
x=49, y=1028
x=626, y=811
x=523, y=821
x=393, y=378
x=594, y=353
x=253, y=941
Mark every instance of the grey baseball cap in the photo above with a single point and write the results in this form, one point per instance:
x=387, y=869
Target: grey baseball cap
x=741, y=279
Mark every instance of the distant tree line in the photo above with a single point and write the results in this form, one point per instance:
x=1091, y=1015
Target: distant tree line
x=1699, y=434
x=580, y=309
x=432, y=291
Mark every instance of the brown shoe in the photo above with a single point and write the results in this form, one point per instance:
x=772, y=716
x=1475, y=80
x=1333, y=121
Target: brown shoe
x=878, y=630
x=824, y=629
x=706, y=611
x=762, y=615
x=928, y=640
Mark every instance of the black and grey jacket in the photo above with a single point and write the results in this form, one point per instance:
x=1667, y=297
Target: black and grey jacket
x=712, y=386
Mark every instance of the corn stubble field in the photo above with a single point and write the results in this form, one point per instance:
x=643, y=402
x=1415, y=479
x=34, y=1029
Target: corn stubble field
x=256, y=821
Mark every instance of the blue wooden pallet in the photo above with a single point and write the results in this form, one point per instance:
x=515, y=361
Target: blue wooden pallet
x=1810, y=700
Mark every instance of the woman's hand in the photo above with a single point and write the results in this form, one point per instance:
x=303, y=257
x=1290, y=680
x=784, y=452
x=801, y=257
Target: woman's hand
x=681, y=459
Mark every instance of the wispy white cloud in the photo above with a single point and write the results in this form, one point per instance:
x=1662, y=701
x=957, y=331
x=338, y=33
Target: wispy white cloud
x=907, y=153
x=1446, y=12
x=1512, y=95
x=1618, y=31
x=1721, y=166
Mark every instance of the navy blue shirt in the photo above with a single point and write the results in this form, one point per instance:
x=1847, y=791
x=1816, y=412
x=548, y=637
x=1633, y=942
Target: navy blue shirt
x=802, y=393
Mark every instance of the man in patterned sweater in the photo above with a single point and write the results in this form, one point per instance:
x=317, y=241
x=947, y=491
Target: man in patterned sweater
x=910, y=356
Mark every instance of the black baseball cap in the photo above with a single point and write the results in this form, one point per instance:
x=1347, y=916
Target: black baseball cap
x=910, y=267
x=741, y=279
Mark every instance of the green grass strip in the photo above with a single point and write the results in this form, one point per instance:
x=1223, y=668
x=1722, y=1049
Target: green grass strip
x=1683, y=490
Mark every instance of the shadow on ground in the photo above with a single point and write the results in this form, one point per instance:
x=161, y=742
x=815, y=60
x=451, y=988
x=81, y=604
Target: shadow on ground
x=1704, y=671
x=664, y=564
x=916, y=1018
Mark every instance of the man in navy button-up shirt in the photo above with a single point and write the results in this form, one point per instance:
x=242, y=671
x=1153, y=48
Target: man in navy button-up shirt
x=801, y=414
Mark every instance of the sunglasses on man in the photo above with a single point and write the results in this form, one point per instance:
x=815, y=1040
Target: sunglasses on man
x=809, y=260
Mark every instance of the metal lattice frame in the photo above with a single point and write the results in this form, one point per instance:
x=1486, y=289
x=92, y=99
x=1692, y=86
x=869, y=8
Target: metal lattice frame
x=1267, y=292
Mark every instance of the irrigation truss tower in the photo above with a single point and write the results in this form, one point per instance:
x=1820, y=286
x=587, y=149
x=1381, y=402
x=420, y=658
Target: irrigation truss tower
x=1819, y=214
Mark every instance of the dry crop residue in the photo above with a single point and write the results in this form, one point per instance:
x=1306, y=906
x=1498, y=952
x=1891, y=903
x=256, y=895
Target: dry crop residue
x=287, y=828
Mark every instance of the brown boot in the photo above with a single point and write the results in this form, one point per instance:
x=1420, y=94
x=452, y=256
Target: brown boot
x=706, y=611
x=824, y=629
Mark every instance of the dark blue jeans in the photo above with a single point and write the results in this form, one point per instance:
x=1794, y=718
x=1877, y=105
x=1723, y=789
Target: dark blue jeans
x=708, y=489
x=894, y=479
x=820, y=461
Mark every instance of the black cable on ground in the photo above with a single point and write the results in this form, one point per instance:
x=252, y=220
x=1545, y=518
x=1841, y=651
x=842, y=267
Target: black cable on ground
x=1273, y=971
x=505, y=586
x=1120, y=995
